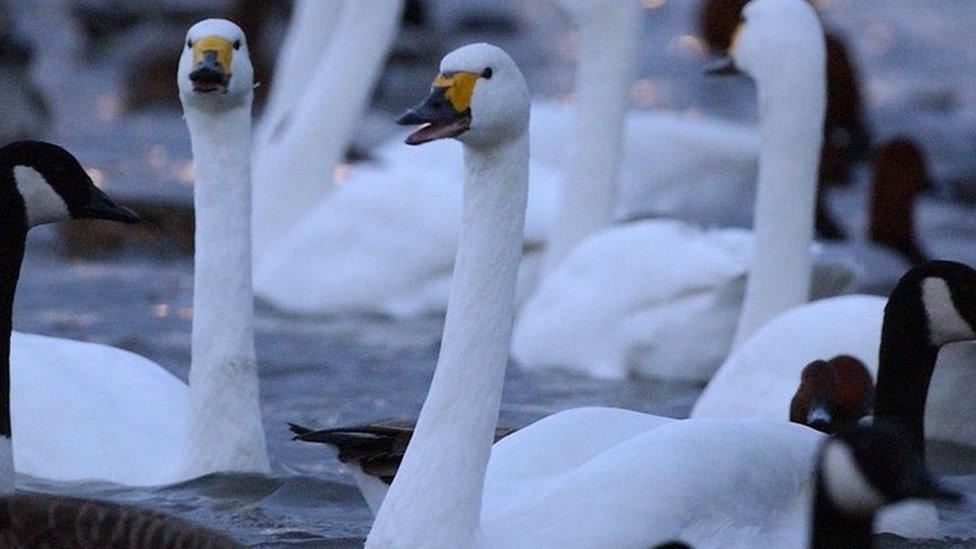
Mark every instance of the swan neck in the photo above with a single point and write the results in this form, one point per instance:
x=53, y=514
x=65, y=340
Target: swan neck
x=609, y=49
x=225, y=430
x=906, y=362
x=13, y=243
x=435, y=499
x=310, y=31
x=792, y=110
x=295, y=171
x=833, y=529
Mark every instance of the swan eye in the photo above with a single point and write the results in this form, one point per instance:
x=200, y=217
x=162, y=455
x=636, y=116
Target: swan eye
x=237, y=44
x=486, y=74
x=189, y=43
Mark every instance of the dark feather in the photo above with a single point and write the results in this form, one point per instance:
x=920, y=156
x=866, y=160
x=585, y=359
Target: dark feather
x=41, y=520
x=377, y=448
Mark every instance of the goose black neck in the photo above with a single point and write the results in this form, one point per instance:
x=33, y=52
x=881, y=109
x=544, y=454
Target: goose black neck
x=834, y=529
x=906, y=362
x=12, y=241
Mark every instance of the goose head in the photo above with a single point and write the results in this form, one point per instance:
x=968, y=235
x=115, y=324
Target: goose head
x=215, y=69
x=945, y=291
x=43, y=183
x=833, y=394
x=773, y=37
x=864, y=468
x=479, y=98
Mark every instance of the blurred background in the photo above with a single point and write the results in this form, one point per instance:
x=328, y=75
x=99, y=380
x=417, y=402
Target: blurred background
x=98, y=77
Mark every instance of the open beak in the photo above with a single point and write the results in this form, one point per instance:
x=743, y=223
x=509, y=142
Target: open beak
x=725, y=66
x=101, y=207
x=445, y=112
x=212, y=58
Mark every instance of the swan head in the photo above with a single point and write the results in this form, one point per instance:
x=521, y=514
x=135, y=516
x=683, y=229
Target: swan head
x=479, y=98
x=771, y=32
x=43, y=183
x=866, y=467
x=215, y=69
x=833, y=394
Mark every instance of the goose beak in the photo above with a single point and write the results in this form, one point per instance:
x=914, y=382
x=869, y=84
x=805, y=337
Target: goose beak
x=723, y=67
x=445, y=112
x=101, y=207
x=212, y=57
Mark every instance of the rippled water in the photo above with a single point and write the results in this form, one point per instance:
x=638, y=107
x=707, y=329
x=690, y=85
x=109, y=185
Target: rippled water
x=326, y=371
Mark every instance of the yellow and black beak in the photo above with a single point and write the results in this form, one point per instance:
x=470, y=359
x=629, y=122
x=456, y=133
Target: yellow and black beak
x=212, y=57
x=445, y=112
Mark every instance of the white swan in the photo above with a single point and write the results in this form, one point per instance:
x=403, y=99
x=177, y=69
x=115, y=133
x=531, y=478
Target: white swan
x=310, y=30
x=381, y=211
x=664, y=297
x=587, y=477
x=224, y=429
x=132, y=421
x=293, y=172
x=604, y=73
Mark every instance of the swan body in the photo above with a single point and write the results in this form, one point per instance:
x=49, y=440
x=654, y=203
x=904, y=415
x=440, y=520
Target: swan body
x=661, y=297
x=384, y=241
x=594, y=314
x=127, y=415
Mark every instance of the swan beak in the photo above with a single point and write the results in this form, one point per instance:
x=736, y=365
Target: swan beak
x=445, y=112
x=723, y=67
x=100, y=206
x=212, y=57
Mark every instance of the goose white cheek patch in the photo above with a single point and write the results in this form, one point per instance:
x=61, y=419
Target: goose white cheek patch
x=43, y=204
x=945, y=323
x=846, y=485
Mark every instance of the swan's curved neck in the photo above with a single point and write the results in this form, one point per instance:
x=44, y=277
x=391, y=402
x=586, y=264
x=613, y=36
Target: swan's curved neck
x=609, y=40
x=435, y=500
x=225, y=431
x=791, y=115
x=295, y=172
x=12, y=242
x=832, y=528
x=311, y=29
